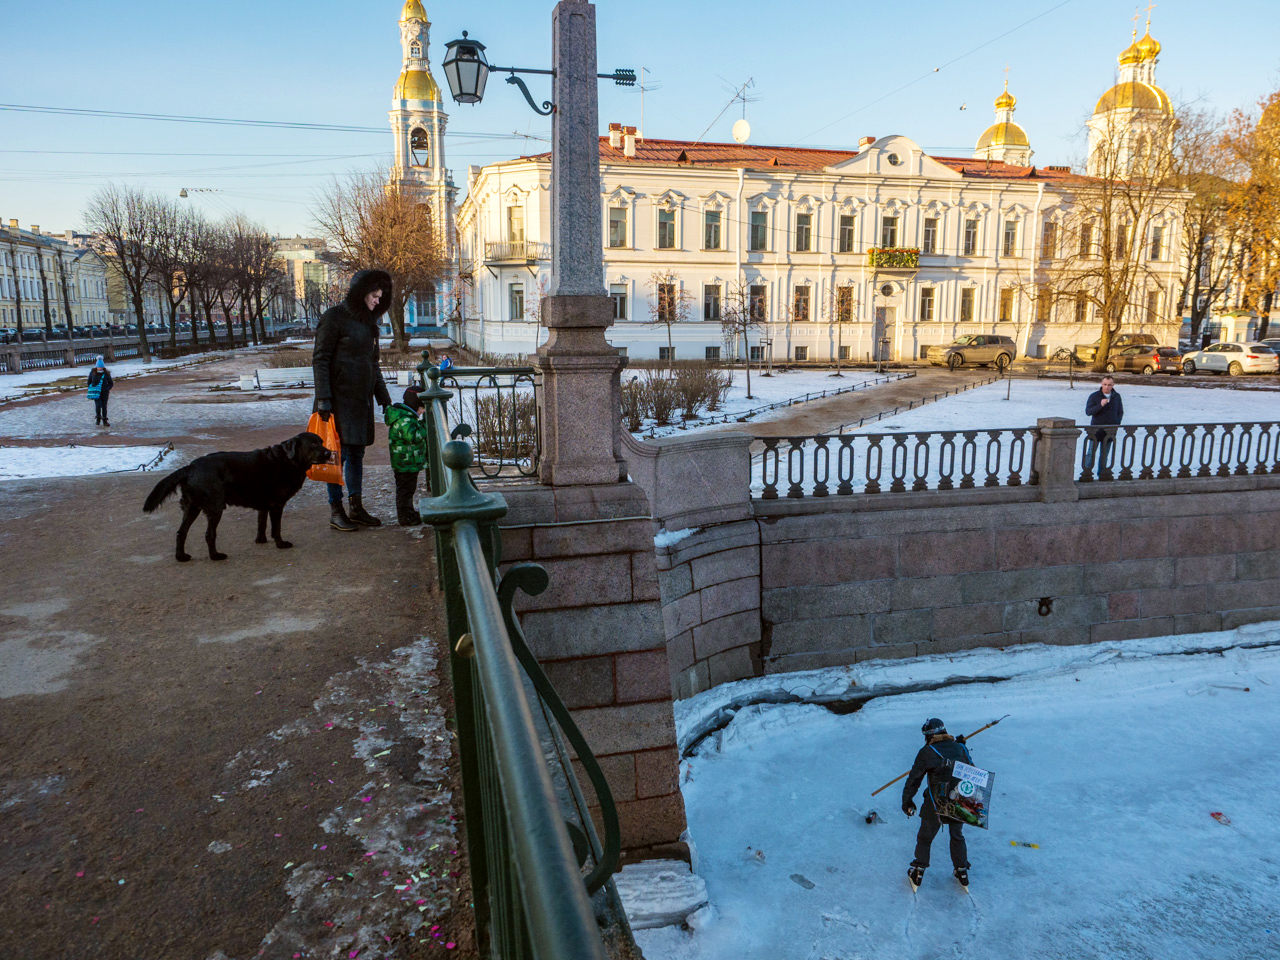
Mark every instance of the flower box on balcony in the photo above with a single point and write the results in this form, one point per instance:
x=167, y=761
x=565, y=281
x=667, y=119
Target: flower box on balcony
x=894, y=258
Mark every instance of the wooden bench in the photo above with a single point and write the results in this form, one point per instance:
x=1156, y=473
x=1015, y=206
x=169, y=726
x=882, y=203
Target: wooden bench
x=280, y=378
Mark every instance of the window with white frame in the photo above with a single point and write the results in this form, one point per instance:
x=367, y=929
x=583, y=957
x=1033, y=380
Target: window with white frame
x=1153, y=305
x=711, y=302
x=666, y=353
x=804, y=232
x=970, y=238
x=666, y=229
x=929, y=240
x=515, y=301
x=1044, y=303
x=966, y=305
x=618, y=294
x=844, y=352
x=759, y=234
x=1049, y=240
x=711, y=230
x=926, y=303
x=617, y=226
x=800, y=303
x=756, y=353
x=888, y=231
x=845, y=239
x=1082, y=307
x=1157, y=242
x=802, y=353
x=515, y=224
x=844, y=304
x=758, y=303
x=1086, y=241
x=667, y=303
x=1010, y=248
x=711, y=353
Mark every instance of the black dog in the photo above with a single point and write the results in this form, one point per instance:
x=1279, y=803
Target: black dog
x=262, y=480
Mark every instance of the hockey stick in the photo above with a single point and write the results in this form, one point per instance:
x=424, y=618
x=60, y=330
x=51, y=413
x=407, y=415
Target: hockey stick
x=969, y=737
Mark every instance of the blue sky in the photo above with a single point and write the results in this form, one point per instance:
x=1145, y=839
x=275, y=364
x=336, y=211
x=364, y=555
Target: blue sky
x=826, y=72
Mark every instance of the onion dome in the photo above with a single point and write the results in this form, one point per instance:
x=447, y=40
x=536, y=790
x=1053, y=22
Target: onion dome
x=413, y=11
x=1003, y=135
x=417, y=85
x=1134, y=95
x=1148, y=46
x=1006, y=100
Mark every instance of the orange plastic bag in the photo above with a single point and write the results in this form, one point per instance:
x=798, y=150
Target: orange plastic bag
x=326, y=430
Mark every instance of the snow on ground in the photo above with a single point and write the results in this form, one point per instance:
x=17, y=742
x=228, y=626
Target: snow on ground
x=986, y=407
x=1112, y=761
x=27, y=463
x=765, y=390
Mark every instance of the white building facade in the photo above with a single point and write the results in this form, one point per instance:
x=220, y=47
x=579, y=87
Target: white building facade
x=40, y=272
x=876, y=252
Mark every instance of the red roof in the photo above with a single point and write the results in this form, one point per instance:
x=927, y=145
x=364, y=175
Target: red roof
x=685, y=153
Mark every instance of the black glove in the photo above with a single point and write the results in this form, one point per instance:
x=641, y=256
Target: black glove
x=324, y=408
x=909, y=809
x=960, y=739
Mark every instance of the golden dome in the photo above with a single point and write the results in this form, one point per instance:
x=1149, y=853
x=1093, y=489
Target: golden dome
x=1149, y=46
x=417, y=85
x=1003, y=135
x=1006, y=100
x=413, y=11
x=1134, y=95
x=1131, y=54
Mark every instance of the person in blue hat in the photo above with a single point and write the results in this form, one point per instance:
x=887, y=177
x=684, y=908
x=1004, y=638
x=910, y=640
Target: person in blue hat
x=100, y=384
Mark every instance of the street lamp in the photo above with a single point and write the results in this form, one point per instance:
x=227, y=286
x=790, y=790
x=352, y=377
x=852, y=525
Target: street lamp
x=467, y=71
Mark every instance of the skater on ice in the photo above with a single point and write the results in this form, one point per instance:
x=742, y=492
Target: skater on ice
x=935, y=760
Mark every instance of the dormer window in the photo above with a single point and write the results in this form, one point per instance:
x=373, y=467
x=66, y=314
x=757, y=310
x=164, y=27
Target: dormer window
x=415, y=50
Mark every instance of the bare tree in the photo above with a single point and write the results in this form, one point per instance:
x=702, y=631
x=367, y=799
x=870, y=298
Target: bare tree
x=206, y=273
x=122, y=222
x=44, y=298
x=1254, y=140
x=1102, y=261
x=17, y=287
x=740, y=313
x=173, y=231
x=670, y=304
x=372, y=226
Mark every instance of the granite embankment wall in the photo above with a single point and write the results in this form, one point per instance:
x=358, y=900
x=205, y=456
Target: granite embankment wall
x=752, y=586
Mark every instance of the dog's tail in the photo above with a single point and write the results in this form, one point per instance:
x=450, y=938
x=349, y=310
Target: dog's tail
x=160, y=493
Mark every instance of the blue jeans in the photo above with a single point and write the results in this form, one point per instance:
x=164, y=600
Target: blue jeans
x=352, y=473
x=1099, y=448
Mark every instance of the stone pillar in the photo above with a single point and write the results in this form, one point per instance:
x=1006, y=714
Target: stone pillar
x=581, y=398
x=1056, y=459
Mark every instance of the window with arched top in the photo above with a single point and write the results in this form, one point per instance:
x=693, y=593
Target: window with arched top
x=415, y=49
x=419, y=147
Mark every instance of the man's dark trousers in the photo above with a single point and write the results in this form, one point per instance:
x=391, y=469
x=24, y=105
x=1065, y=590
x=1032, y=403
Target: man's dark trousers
x=929, y=827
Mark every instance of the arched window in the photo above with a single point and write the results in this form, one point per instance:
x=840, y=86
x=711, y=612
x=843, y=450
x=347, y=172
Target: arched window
x=415, y=50
x=419, y=146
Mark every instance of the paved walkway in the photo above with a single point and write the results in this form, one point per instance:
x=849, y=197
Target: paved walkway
x=242, y=759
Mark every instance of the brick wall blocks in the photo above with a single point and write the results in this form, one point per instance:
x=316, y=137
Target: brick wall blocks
x=651, y=821
x=674, y=582
x=1039, y=546
x=578, y=582
x=735, y=664
x=934, y=554
x=1144, y=539
x=1124, y=606
x=1119, y=630
x=725, y=565
x=1243, y=595
x=1197, y=622
x=902, y=627
x=1236, y=618
x=576, y=540
x=586, y=682
x=733, y=596
x=977, y=618
x=642, y=676
x=1064, y=612
x=1179, y=600
x=657, y=772
x=725, y=633
x=840, y=599
x=682, y=615
x=626, y=728
x=828, y=562
x=1256, y=566
x=942, y=591
x=1130, y=574
x=592, y=631
x=713, y=539
x=816, y=636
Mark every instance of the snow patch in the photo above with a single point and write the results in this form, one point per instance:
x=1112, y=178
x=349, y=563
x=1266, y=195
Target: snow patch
x=667, y=538
x=29, y=463
x=661, y=893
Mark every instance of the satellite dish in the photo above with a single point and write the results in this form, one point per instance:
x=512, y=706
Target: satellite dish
x=741, y=130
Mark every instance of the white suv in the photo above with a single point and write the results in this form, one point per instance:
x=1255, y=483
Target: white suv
x=1232, y=358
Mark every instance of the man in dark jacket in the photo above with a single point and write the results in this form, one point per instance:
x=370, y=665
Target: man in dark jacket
x=348, y=381
x=1104, y=408
x=934, y=761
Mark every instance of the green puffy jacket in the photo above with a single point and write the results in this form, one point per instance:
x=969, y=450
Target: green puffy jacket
x=407, y=437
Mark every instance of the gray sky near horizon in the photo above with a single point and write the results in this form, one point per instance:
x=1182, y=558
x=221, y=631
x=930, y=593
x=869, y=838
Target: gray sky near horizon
x=834, y=73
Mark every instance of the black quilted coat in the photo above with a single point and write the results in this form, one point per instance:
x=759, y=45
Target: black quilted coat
x=345, y=360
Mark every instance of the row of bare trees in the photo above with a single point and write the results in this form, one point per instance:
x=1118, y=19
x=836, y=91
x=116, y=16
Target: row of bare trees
x=157, y=245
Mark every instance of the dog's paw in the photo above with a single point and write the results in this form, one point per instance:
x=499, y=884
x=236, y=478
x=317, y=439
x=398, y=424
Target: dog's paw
x=283, y=544
x=182, y=557
x=261, y=539
x=217, y=556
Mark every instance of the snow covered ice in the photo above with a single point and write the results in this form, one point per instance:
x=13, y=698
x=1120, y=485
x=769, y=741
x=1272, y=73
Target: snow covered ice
x=1112, y=762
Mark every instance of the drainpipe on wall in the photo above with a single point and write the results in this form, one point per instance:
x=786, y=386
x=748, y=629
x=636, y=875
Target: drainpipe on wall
x=1031, y=268
x=737, y=252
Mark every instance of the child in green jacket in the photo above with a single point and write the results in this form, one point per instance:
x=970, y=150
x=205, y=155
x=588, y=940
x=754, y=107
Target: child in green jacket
x=407, y=437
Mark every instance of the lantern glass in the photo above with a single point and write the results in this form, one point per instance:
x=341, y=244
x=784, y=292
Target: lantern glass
x=466, y=69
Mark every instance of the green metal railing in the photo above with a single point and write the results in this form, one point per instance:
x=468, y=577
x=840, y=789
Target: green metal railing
x=540, y=882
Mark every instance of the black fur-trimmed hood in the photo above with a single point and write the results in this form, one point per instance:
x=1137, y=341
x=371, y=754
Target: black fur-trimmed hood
x=363, y=284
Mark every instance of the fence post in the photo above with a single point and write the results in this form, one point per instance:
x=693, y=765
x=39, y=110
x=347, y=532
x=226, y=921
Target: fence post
x=1056, y=459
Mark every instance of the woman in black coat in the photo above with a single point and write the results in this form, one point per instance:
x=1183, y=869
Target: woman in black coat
x=348, y=381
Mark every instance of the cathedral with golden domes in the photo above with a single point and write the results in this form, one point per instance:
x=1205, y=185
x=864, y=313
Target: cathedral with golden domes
x=1132, y=115
x=417, y=125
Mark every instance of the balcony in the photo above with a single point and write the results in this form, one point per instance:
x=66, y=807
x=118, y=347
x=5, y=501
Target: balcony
x=516, y=251
x=894, y=259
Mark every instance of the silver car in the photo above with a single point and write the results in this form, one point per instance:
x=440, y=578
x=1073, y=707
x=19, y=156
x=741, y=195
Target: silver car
x=1232, y=358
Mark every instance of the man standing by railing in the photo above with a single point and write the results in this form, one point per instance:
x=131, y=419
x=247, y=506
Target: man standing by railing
x=1106, y=409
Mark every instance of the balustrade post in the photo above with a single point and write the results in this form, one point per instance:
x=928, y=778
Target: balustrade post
x=1056, y=459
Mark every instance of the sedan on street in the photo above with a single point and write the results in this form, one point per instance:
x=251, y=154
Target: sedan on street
x=1146, y=359
x=1232, y=358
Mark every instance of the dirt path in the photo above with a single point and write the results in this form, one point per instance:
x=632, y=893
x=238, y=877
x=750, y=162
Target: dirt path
x=242, y=759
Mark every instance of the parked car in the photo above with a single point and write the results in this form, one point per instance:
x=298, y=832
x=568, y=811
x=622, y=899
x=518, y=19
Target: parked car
x=1146, y=359
x=1087, y=353
x=979, y=348
x=1232, y=358
x=9, y=335
x=1273, y=343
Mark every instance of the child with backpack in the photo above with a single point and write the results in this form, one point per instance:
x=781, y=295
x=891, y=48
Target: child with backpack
x=100, y=384
x=407, y=438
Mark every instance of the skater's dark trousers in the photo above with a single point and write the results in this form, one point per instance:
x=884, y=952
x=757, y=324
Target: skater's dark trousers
x=929, y=827
x=406, y=485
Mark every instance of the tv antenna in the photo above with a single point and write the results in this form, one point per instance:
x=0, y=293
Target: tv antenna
x=643, y=88
x=740, y=95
